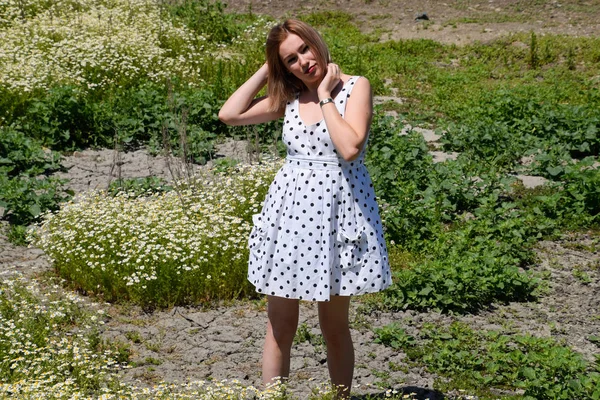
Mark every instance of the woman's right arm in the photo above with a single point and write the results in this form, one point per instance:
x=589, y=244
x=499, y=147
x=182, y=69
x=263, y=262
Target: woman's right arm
x=242, y=108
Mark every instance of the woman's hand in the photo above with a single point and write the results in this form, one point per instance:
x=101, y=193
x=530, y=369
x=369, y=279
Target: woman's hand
x=330, y=81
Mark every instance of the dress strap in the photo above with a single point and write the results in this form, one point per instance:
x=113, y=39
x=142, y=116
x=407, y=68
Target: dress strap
x=342, y=97
x=291, y=107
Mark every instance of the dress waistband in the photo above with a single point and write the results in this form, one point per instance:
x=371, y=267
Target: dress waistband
x=316, y=162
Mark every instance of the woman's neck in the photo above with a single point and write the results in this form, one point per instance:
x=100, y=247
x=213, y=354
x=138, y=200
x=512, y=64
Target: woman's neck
x=311, y=91
x=311, y=94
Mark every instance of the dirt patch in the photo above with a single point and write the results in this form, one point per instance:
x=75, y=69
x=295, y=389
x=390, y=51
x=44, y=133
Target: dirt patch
x=186, y=344
x=452, y=22
x=18, y=259
x=96, y=169
x=226, y=343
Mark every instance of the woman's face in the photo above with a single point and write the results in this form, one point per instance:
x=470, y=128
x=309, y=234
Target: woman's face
x=299, y=59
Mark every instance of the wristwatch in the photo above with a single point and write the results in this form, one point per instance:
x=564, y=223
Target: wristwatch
x=325, y=101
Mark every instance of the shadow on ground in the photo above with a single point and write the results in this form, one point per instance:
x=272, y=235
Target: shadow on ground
x=417, y=393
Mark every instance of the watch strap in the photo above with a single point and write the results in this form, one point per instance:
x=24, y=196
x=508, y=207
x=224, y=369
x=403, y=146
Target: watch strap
x=325, y=101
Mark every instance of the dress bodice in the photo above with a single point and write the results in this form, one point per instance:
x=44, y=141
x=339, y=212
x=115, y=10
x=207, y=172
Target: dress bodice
x=312, y=140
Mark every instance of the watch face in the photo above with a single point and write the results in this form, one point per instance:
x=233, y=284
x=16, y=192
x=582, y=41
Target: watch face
x=325, y=101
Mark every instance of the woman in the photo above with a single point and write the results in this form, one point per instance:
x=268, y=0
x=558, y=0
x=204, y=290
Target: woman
x=319, y=236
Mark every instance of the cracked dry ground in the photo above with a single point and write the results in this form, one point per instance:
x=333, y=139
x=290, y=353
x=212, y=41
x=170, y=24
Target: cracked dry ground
x=225, y=342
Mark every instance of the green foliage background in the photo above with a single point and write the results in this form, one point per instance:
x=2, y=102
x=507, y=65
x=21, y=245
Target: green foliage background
x=461, y=232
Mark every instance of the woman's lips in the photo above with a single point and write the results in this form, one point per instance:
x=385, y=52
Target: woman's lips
x=310, y=70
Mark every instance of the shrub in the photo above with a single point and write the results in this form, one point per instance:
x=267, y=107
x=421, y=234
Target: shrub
x=183, y=246
x=22, y=155
x=509, y=124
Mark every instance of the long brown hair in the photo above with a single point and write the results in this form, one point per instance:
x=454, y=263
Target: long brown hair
x=282, y=85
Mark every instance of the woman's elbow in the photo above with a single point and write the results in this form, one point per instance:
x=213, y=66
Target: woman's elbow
x=229, y=119
x=225, y=117
x=351, y=154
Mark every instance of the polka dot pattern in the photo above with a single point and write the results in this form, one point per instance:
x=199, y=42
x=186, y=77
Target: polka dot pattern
x=319, y=233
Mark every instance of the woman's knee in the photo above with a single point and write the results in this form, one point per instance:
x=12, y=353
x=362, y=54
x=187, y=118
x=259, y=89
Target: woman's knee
x=283, y=318
x=333, y=318
x=283, y=330
x=335, y=334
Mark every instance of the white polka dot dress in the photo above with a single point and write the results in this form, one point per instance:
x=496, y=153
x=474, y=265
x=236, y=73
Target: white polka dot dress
x=319, y=233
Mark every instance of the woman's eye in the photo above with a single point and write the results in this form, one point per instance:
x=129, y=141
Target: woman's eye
x=305, y=49
x=291, y=60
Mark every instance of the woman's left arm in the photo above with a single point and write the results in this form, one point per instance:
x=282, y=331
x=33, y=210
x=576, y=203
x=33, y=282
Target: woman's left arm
x=348, y=134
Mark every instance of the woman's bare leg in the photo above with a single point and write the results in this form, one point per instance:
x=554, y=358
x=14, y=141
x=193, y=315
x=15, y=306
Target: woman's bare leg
x=281, y=329
x=333, y=318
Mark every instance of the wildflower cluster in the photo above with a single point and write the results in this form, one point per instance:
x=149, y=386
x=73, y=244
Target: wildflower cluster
x=196, y=390
x=92, y=44
x=179, y=247
x=42, y=350
x=50, y=348
x=254, y=33
x=201, y=390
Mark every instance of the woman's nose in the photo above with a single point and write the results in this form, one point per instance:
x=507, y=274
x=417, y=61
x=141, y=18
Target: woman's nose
x=303, y=61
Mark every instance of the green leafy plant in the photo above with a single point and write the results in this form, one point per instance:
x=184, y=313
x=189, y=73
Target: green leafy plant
x=205, y=17
x=304, y=334
x=26, y=198
x=541, y=367
x=25, y=191
x=20, y=154
x=508, y=125
x=394, y=336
